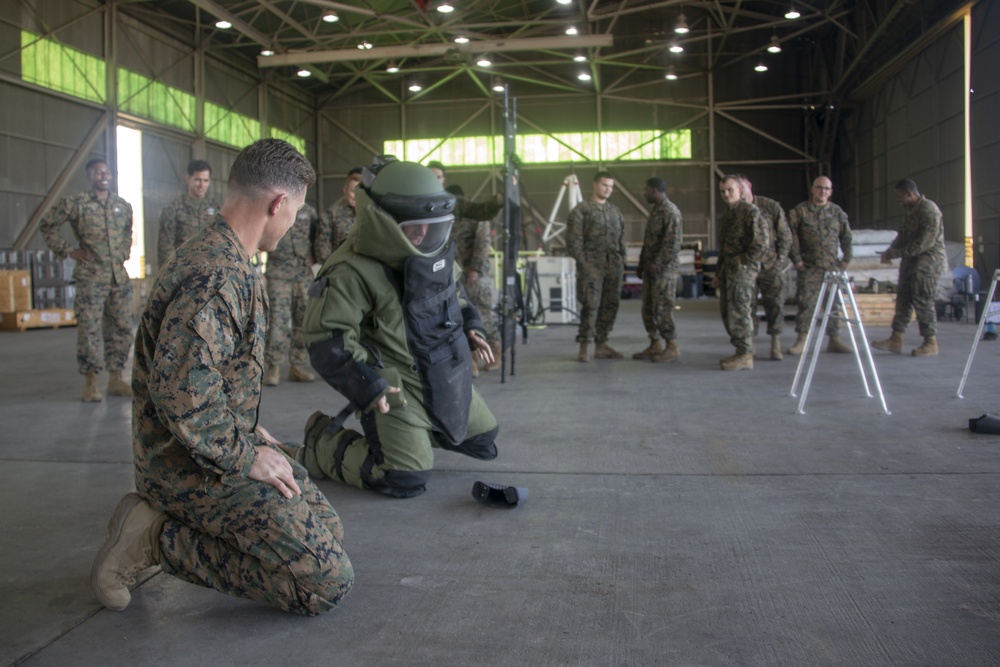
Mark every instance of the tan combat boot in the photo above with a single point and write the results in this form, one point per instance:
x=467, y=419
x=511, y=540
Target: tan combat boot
x=117, y=386
x=655, y=348
x=776, y=354
x=737, y=362
x=584, y=353
x=798, y=345
x=133, y=545
x=497, y=360
x=605, y=351
x=91, y=394
x=835, y=345
x=893, y=343
x=299, y=374
x=273, y=376
x=928, y=349
x=669, y=353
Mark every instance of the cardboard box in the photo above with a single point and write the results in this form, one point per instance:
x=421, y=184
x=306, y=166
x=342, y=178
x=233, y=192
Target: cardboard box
x=49, y=318
x=15, y=290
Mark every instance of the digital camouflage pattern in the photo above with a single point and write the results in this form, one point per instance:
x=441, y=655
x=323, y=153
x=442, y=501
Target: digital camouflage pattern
x=817, y=233
x=743, y=242
x=659, y=263
x=332, y=229
x=595, y=238
x=473, y=239
x=180, y=220
x=920, y=244
x=289, y=272
x=103, y=302
x=771, y=279
x=197, y=384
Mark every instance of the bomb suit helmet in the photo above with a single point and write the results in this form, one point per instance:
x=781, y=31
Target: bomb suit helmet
x=412, y=195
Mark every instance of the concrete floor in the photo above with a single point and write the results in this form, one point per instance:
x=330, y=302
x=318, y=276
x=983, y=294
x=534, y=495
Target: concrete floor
x=678, y=515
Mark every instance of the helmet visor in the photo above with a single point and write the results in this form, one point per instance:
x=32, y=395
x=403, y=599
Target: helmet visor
x=428, y=235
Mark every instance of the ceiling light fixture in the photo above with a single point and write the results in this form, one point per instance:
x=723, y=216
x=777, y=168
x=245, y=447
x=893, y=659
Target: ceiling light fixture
x=330, y=17
x=499, y=86
x=392, y=67
x=565, y=2
x=267, y=52
x=681, y=27
x=304, y=73
x=760, y=67
x=671, y=74
x=792, y=13
x=676, y=48
x=415, y=87
x=444, y=7
x=484, y=61
x=579, y=58
x=572, y=31
x=365, y=45
x=223, y=25
x=775, y=45
x=461, y=39
x=583, y=76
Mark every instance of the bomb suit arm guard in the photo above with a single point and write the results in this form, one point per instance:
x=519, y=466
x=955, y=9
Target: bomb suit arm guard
x=337, y=305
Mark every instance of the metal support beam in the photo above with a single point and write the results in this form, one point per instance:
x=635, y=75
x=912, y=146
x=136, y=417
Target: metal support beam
x=430, y=50
x=77, y=161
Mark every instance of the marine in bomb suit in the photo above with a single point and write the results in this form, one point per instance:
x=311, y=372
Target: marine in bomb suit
x=387, y=328
x=219, y=503
x=190, y=212
x=659, y=262
x=595, y=238
x=744, y=239
x=473, y=239
x=920, y=244
x=102, y=224
x=289, y=273
x=819, y=227
x=336, y=222
x=771, y=279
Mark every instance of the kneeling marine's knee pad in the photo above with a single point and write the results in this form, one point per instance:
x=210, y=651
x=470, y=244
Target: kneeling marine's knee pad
x=480, y=446
x=396, y=483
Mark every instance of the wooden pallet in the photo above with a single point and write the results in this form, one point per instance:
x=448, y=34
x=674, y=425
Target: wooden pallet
x=49, y=318
x=877, y=310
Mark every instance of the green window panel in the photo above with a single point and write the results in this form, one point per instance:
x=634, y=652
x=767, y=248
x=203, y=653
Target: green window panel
x=140, y=95
x=293, y=139
x=625, y=146
x=47, y=63
x=230, y=127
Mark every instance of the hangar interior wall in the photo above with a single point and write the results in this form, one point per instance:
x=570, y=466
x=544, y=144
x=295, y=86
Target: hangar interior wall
x=986, y=136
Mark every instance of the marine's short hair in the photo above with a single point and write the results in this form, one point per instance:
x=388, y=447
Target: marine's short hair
x=908, y=185
x=657, y=184
x=732, y=177
x=94, y=162
x=270, y=164
x=355, y=171
x=603, y=174
x=194, y=166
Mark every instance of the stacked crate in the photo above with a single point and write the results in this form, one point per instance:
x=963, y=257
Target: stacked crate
x=34, y=291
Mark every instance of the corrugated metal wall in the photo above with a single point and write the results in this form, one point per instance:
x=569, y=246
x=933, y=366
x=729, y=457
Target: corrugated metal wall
x=986, y=136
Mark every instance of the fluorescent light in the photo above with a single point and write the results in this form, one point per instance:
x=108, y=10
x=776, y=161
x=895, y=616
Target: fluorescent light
x=415, y=88
x=392, y=68
x=445, y=7
x=761, y=67
x=565, y=2
x=223, y=25
x=331, y=17
x=572, y=30
x=775, y=46
x=681, y=27
x=365, y=45
x=583, y=76
x=676, y=48
x=792, y=13
x=461, y=39
x=671, y=74
x=484, y=61
x=579, y=58
x=304, y=73
x=498, y=87
x=267, y=52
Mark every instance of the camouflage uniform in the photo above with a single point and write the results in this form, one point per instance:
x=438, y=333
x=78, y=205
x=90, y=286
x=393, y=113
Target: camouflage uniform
x=103, y=300
x=197, y=384
x=816, y=233
x=180, y=220
x=920, y=243
x=473, y=240
x=660, y=252
x=289, y=272
x=771, y=280
x=743, y=242
x=331, y=230
x=595, y=238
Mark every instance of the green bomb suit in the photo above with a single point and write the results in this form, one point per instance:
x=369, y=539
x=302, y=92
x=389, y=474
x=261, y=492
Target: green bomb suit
x=361, y=343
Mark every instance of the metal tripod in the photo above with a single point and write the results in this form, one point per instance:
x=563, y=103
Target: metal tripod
x=834, y=287
x=979, y=334
x=571, y=190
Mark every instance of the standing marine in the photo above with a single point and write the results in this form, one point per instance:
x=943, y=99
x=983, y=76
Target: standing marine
x=387, y=327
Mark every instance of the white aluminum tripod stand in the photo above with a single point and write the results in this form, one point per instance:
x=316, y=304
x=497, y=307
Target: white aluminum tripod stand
x=979, y=334
x=835, y=285
x=570, y=186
